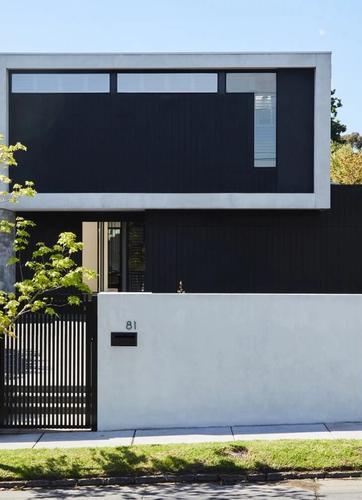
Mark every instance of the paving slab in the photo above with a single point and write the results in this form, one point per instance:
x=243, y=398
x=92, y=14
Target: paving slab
x=80, y=439
x=346, y=430
x=299, y=431
x=14, y=441
x=85, y=439
x=341, y=489
x=183, y=435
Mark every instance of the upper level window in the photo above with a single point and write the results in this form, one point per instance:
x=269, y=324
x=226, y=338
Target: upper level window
x=263, y=86
x=59, y=82
x=167, y=82
x=265, y=130
x=251, y=82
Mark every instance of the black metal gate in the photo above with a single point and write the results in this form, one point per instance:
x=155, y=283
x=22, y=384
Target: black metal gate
x=48, y=371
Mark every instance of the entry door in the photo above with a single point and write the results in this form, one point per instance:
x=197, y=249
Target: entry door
x=116, y=250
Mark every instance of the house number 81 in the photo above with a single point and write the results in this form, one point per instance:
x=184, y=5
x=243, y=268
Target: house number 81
x=131, y=325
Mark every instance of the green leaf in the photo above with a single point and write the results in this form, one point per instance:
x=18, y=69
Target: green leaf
x=73, y=300
x=11, y=261
x=6, y=226
x=51, y=311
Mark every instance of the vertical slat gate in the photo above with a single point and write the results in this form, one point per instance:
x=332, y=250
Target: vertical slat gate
x=48, y=371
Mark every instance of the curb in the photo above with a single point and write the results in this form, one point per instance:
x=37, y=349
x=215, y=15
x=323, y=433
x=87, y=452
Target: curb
x=178, y=478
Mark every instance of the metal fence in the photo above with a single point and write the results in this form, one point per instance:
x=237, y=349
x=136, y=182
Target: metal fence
x=48, y=371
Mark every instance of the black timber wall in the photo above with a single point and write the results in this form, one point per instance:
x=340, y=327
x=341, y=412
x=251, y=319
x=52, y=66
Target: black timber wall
x=177, y=143
x=245, y=250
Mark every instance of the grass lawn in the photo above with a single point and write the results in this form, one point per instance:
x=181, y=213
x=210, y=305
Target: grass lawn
x=239, y=457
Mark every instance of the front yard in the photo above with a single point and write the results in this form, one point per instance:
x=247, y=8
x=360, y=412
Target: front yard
x=239, y=457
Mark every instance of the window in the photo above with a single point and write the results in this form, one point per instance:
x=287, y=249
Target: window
x=115, y=241
x=265, y=130
x=167, y=82
x=251, y=82
x=59, y=82
x=263, y=86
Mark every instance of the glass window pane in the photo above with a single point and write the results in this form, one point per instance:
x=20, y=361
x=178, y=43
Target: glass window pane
x=167, y=82
x=251, y=82
x=263, y=86
x=59, y=82
x=114, y=255
x=265, y=130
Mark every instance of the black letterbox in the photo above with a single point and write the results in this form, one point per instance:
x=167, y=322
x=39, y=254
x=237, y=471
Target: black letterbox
x=124, y=338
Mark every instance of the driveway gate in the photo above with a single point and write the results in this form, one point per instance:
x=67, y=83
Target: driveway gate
x=48, y=371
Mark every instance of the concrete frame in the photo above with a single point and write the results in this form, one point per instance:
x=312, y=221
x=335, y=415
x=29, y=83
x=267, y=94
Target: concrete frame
x=320, y=61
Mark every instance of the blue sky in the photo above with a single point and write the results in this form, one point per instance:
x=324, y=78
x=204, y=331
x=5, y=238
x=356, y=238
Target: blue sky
x=195, y=25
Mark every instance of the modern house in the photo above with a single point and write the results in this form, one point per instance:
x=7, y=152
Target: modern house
x=211, y=170
x=201, y=168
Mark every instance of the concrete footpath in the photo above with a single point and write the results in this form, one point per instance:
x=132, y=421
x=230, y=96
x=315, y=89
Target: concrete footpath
x=328, y=489
x=77, y=439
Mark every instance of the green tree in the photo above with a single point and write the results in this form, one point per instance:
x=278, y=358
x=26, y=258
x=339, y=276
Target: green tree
x=346, y=165
x=337, y=128
x=354, y=139
x=49, y=269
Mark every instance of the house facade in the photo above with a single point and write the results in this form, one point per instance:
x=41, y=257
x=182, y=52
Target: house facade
x=206, y=169
x=200, y=168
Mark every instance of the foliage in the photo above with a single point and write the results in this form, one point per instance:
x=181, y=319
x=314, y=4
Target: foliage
x=354, y=139
x=50, y=268
x=234, y=457
x=346, y=165
x=337, y=128
x=7, y=160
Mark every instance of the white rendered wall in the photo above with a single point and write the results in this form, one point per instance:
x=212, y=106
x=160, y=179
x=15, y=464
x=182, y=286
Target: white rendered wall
x=229, y=359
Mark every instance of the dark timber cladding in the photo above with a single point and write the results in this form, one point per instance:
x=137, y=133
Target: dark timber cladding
x=163, y=142
x=295, y=130
x=246, y=250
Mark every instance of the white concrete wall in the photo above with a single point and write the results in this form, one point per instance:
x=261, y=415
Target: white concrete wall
x=230, y=359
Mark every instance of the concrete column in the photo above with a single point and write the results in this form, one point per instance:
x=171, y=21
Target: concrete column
x=7, y=273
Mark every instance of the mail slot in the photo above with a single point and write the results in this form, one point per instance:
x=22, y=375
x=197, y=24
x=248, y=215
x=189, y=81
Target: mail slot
x=124, y=338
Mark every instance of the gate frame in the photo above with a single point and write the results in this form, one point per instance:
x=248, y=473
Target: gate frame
x=89, y=302
x=92, y=346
